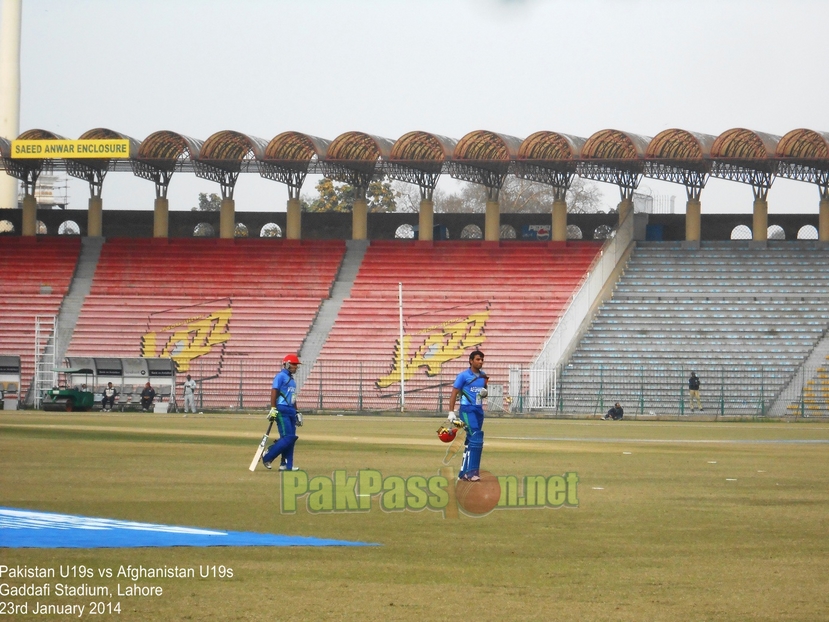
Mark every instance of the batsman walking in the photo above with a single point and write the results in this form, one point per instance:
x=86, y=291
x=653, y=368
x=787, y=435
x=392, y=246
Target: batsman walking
x=470, y=387
x=283, y=412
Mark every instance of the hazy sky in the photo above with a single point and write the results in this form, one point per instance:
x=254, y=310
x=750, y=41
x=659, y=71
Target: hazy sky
x=387, y=67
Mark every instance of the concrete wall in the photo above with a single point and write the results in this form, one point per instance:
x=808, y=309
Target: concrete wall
x=383, y=226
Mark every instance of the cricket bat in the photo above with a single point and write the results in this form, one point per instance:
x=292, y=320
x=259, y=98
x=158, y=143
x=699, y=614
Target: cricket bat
x=260, y=450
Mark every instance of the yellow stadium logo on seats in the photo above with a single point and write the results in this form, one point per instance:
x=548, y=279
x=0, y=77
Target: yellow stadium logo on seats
x=435, y=346
x=189, y=339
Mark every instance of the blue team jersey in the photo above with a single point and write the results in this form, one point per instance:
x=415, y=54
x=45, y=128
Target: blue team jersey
x=285, y=386
x=469, y=383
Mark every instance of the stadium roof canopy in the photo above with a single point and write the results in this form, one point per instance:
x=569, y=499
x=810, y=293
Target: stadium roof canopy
x=161, y=154
x=681, y=157
x=93, y=171
x=614, y=157
x=549, y=158
x=484, y=157
x=804, y=155
x=418, y=158
x=481, y=156
x=222, y=156
x=289, y=155
x=353, y=158
x=747, y=157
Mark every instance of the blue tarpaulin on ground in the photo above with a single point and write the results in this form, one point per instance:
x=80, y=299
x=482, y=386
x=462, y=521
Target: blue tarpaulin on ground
x=45, y=530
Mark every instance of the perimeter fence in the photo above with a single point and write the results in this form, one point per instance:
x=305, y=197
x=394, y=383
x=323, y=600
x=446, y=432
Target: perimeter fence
x=647, y=390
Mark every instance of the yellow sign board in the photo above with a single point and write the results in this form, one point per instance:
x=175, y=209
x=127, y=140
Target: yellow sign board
x=75, y=149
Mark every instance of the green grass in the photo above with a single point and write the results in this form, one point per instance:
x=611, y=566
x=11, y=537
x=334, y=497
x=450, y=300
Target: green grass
x=661, y=531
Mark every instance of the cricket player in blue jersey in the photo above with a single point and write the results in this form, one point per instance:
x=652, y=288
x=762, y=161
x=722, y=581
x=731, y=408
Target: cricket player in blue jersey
x=469, y=389
x=283, y=412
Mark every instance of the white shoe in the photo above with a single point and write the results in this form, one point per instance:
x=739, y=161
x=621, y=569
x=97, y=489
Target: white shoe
x=283, y=467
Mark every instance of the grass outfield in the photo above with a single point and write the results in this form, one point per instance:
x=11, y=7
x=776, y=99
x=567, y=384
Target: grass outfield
x=675, y=521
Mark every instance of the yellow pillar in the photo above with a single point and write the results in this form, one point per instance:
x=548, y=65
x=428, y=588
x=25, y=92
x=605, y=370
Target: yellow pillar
x=559, y=221
x=427, y=220
x=823, y=221
x=161, y=218
x=95, y=218
x=625, y=208
x=227, y=219
x=761, y=220
x=29, y=224
x=693, y=225
x=492, y=224
x=293, y=223
x=359, y=220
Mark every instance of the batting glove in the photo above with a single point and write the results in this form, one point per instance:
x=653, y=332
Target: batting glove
x=299, y=420
x=451, y=418
x=483, y=392
x=272, y=414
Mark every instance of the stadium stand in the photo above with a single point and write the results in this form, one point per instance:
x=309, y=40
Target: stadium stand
x=743, y=318
x=225, y=311
x=504, y=297
x=36, y=273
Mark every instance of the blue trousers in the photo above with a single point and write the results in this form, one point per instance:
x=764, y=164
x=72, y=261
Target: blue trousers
x=474, y=445
x=286, y=424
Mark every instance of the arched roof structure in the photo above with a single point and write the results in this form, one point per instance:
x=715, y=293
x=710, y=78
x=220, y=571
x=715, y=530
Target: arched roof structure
x=549, y=158
x=418, y=158
x=615, y=157
x=288, y=156
x=484, y=157
x=161, y=154
x=224, y=154
x=681, y=157
x=804, y=155
x=28, y=170
x=94, y=170
x=746, y=156
x=352, y=157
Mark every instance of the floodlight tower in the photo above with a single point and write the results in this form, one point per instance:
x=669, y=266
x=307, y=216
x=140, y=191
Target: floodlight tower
x=9, y=89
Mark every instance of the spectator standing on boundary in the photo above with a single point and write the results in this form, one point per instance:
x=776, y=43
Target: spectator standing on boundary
x=189, y=395
x=470, y=387
x=693, y=390
x=615, y=413
x=147, y=397
x=283, y=412
x=108, y=401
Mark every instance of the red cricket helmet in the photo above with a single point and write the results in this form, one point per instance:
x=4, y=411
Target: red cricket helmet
x=290, y=358
x=447, y=435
